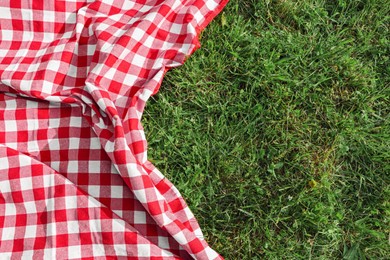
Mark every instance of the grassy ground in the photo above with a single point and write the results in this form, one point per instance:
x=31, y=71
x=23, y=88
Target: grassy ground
x=277, y=130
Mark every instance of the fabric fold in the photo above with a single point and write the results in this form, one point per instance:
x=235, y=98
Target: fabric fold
x=74, y=80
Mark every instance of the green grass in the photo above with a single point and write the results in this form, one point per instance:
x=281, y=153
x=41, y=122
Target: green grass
x=277, y=130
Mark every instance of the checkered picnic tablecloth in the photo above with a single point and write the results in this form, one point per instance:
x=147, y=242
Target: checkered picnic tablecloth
x=75, y=181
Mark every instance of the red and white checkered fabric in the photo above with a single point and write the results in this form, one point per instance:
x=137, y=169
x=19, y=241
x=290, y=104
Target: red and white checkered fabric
x=75, y=182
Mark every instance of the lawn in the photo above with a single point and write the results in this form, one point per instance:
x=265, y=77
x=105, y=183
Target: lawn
x=277, y=132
